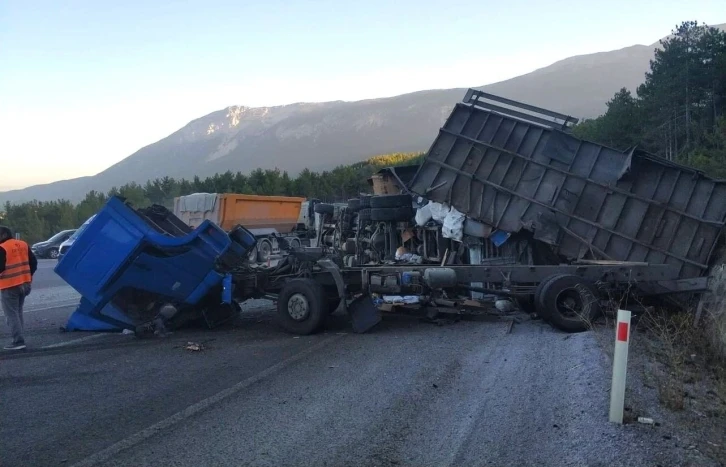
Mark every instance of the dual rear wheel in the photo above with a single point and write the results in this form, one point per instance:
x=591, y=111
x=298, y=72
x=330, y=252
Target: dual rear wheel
x=570, y=303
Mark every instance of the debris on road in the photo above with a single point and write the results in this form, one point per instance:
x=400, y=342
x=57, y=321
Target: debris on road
x=645, y=420
x=194, y=346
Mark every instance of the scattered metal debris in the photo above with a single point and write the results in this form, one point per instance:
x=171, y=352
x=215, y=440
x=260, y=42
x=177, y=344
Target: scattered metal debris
x=194, y=346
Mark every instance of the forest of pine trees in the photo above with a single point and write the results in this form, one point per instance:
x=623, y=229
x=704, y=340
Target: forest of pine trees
x=38, y=220
x=678, y=112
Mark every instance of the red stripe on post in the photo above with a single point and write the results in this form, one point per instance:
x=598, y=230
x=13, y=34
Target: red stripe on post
x=622, y=332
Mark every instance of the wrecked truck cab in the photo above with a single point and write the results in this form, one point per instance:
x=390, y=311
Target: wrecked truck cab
x=128, y=263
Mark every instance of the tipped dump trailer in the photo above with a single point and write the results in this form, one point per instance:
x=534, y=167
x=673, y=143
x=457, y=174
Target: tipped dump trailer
x=267, y=217
x=518, y=168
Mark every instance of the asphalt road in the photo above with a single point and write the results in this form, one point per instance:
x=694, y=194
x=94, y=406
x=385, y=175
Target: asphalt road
x=45, y=277
x=409, y=393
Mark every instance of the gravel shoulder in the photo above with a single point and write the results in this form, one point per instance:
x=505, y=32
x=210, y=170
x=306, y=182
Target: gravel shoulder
x=676, y=387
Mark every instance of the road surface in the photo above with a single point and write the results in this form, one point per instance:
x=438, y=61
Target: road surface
x=410, y=393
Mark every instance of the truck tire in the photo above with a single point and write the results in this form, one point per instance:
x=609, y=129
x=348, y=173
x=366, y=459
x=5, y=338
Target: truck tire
x=532, y=303
x=569, y=303
x=302, y=306
x=294, y=243
x=391, y=201
x=264, y=250
x=538, y=304
x=354, y=205
x=364, y=215
x=392, y=214
x=365, y=201
x=252, y=254
x=324, y=208
x=347, y=219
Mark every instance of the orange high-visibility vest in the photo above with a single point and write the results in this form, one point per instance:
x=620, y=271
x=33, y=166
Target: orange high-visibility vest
x=17, y=264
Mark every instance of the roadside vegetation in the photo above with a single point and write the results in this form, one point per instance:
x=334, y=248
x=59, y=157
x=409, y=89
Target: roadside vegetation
x=676, y=377
x=679, y=365
x=679, y=111
x=38, y=220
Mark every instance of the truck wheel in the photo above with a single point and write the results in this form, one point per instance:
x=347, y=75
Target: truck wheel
x=295, y=243
x=538, y=303
x=324, y=208
x=346, y=218
x=252, y=254
x=391, y=201
x=264, y=250
x=569, y=303
x=301, y=306
x=392, y=214
x=354, y=205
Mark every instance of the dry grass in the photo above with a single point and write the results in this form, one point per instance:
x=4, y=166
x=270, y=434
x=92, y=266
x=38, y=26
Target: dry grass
x=672, y=334
x=685, y=356
x=678, y=366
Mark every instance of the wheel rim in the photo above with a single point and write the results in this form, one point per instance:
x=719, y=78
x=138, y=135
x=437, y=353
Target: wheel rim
x=298, y=307
x=252, y=255
x=570, y=304
x=295, y=243
x=53, y=254
x=264, y=251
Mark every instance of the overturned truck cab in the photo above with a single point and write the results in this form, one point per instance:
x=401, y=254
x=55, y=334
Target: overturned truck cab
x=146, y=270
x=130, y=265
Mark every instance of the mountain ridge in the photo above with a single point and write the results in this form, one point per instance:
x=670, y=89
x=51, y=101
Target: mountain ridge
x=322, y=135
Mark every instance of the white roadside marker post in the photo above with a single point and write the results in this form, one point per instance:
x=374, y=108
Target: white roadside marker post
x=620, y=366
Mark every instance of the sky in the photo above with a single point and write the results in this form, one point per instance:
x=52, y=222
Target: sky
x=84, y=84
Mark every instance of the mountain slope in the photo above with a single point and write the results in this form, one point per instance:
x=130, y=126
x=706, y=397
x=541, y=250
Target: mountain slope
x=322, y=135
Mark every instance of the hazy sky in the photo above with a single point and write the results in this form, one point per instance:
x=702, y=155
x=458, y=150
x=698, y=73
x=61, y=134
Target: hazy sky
x=84, y=84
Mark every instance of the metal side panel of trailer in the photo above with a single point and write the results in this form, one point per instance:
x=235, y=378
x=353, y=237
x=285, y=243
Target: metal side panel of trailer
x=517, y=169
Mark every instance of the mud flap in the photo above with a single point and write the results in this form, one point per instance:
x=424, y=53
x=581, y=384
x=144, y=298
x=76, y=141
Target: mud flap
x=364, y=314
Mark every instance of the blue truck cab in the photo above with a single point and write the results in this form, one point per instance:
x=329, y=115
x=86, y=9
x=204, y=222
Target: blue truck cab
x=127, y=262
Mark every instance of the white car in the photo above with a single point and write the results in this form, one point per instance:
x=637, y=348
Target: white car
x=67, y=244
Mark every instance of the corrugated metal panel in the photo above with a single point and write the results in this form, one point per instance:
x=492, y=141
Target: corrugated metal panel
x=586, y=199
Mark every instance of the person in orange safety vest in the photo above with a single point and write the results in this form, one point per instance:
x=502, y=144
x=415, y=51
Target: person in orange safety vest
x=17, y=266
